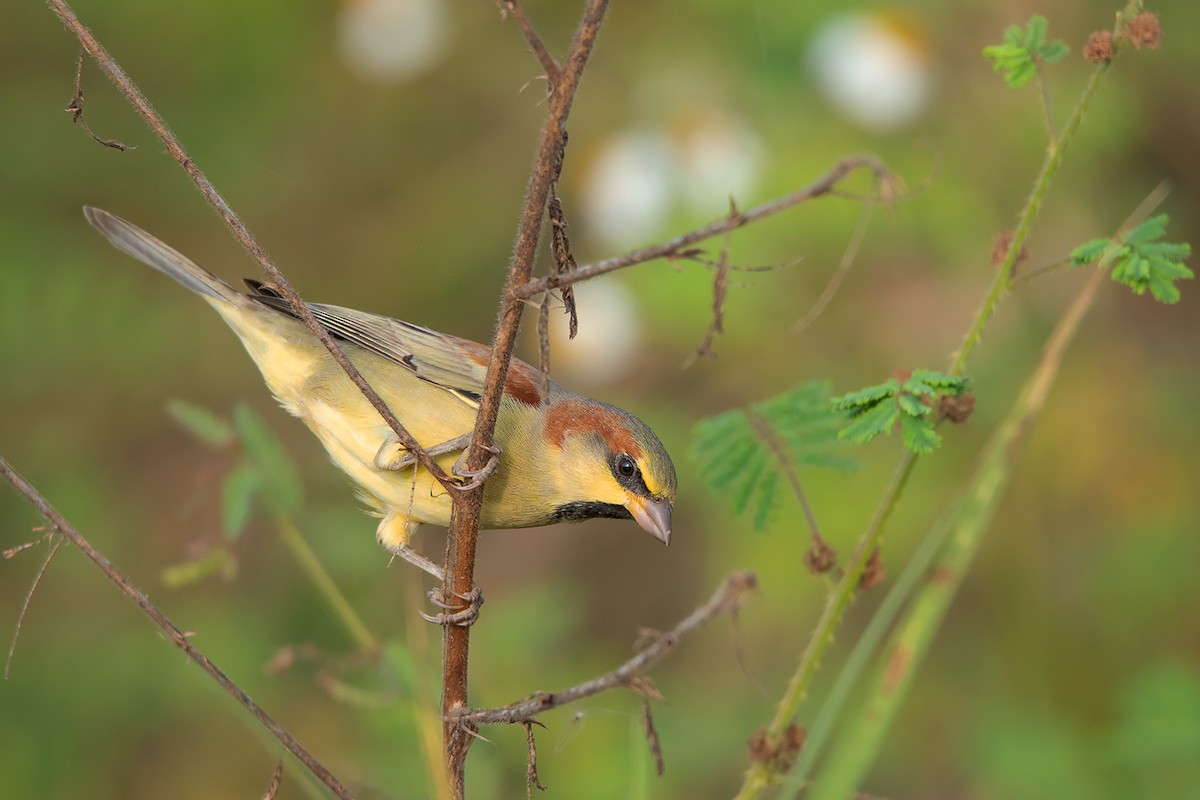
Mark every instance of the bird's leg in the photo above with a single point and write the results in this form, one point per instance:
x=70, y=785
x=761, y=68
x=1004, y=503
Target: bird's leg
x=475, y=477
x=393, y=456
x=394, y=533
x=418, y=560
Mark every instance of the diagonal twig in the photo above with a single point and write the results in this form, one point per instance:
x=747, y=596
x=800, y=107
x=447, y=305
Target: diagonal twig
x=843, y=267
x=553, y=71
x=679, y=246
x=139, y=102
x=174, y=634
x=726, y=599
x=820, y=557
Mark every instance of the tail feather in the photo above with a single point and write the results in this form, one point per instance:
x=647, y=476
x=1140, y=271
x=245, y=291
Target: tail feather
x=136, y=242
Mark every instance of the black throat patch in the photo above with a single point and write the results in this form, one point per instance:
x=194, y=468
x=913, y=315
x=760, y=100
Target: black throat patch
x=574, y=512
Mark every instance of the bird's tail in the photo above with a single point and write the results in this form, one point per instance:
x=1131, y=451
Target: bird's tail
x=136, y=242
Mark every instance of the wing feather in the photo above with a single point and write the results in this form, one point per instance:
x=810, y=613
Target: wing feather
x=456, y=365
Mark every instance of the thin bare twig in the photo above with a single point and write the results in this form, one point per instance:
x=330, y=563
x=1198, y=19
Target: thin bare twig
x=560, y=243
x=12, y=647
x=719, y=293
x=543, y=332
x=467, y=505
x=679, y=246
x=75, y=109
x=646, y=689
x=276, y=780
x=174, y=634
x=820, y=557
x=727, y=599
x=531, y=776
x=835, y=281
x=139, y=102
x=553, y=71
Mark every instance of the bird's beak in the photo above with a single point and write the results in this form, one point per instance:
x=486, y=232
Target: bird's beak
x=653, y=515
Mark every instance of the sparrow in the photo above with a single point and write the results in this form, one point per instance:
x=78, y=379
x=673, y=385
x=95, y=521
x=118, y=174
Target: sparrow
x=563, y=457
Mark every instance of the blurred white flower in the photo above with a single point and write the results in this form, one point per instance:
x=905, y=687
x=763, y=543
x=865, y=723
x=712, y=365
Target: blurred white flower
x=610, y=335
x=392, y=40
x=627, y=191
x=873, y=67
x=719, y=157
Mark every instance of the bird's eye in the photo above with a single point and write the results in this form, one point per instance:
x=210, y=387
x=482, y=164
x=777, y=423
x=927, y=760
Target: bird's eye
x=626, y=466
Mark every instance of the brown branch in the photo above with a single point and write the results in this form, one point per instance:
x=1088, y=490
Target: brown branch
x=727, y=599
x=679, y=246
x=139, y=102
x=465, y=513
x=553, y=71
x=174, y=634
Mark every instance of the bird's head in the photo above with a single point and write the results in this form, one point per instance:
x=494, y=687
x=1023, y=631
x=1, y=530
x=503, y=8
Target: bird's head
x=610, y=464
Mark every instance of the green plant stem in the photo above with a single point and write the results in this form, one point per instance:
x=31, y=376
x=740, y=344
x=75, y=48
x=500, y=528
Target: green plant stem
x=1002, y=283
x=868, y=643
x=1047, y=109
x=324, y=584
x=762, y=774
x=856, y=749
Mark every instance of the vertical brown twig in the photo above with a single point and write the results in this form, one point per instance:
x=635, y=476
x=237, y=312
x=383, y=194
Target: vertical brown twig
x=464, y=519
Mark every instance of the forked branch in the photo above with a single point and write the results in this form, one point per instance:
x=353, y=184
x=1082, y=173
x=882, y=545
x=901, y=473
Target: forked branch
x=682, y=246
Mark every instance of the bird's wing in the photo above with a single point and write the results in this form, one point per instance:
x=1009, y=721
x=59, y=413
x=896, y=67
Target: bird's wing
x=457, y=365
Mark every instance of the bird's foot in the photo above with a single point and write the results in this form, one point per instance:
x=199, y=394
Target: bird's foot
x=393, y=456
x=462, y=617
x=474, y=478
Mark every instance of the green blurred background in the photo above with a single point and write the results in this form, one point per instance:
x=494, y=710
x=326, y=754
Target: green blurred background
x=1070, y=665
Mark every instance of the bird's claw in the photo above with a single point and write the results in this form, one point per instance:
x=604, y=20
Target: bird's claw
x=392, y=456
x=463, y=617
x=474, y=478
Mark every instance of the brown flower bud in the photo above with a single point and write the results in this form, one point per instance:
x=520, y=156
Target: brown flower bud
x=1099, y=47
x=1001, y=245
x=1144, y=30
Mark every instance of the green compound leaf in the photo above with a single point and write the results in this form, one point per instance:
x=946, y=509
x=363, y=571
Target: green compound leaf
x=869, y=424
x=738, y=452
x=1021, y=51
x=919, y=435
x=1138, y=260
x=910, y=400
